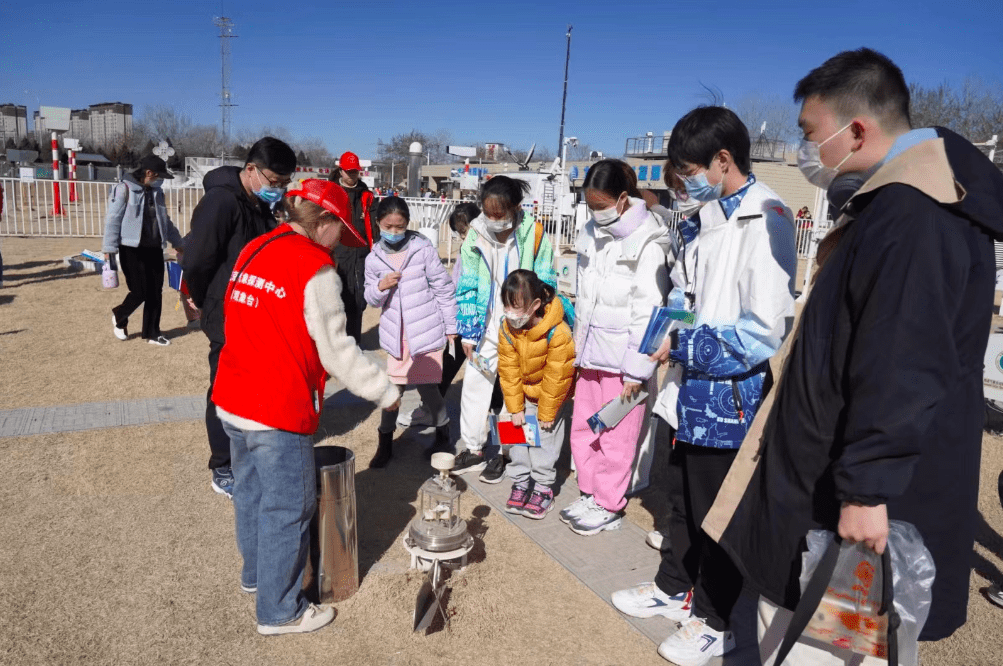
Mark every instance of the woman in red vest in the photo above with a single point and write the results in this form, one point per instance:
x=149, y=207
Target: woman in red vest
x=285, y=332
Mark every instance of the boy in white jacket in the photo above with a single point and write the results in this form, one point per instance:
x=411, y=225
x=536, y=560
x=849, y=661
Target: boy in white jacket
x=736, y=273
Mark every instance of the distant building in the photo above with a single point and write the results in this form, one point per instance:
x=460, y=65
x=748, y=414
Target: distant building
x=99, y=125
x=13, y=122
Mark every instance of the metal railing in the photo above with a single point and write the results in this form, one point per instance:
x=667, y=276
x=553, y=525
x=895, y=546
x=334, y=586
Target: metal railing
x=29, y=208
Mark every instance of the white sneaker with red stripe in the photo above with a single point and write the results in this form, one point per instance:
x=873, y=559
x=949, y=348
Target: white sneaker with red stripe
x=646, y=600
x=694, y=644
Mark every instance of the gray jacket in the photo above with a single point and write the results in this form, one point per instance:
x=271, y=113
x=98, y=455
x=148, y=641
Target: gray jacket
x=123, y=224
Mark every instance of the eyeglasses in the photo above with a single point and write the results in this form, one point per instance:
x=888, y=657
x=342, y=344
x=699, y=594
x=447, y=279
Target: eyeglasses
x=278, y=181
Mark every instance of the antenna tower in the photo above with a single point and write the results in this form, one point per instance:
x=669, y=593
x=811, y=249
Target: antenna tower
x=225, y=26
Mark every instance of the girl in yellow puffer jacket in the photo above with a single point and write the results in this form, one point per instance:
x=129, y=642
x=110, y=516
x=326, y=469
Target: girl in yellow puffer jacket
x=536, y=356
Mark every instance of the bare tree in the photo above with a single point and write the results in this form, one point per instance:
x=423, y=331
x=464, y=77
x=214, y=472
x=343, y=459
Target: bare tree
x=974, y=110
x=769, y=117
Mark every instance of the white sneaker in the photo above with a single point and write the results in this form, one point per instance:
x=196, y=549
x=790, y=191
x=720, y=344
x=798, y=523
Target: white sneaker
x=594, y=520
x=694, y=644
x=160, y=341
x=120, y=333
x=576, y=508
x=419, y=418
x=313, y=619
x=656, y=540
x=646, y=600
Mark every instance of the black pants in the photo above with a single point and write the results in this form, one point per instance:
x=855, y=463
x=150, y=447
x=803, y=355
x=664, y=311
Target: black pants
x=695, y=560
x=353, y=314
x=219, y=441
x=144, y=276
x=452, y=361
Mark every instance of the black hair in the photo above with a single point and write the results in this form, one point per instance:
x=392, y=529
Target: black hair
x=612, y=177
x=705, y=131
x=509, y=191
x=391, y=205
x=861, y=80
x=522, y=287
x=464, y=213
x=274, y=154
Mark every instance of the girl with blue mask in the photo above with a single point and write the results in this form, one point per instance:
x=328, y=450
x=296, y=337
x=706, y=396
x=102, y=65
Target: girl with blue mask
x=406, y=279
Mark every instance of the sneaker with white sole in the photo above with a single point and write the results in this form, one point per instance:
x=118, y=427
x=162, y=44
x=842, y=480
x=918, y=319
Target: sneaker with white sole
x=694, y=644
x=160, y=341
x=995, y=595
x=469, y=461
x=646, y=600
x=494, y=470
x=120, y=333
x=656, y=540
x=249, y=589
x=576, y=508
x=222, y=481
x=419, y=418
x=594, y=520
x=313, y=619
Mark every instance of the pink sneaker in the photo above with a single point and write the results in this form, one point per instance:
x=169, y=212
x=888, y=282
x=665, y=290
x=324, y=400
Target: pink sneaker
x=540, y=502
x=516, y=501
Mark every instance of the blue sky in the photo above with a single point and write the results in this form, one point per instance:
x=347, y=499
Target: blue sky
x=352, y=73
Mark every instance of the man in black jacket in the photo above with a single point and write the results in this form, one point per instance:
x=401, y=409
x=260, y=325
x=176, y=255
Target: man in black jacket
x=237, y=208
x=878, y=413
x=352, y=260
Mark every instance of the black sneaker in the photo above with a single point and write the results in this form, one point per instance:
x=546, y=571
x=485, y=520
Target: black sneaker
x=468, y=461
x=494, y=470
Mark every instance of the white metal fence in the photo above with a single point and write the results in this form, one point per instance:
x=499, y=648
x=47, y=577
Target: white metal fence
x=28, y=210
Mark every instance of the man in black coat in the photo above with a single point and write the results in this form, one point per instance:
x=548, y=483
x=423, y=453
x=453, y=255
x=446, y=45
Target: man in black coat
x=237, y=208
x=878, y=412
x=352, y=260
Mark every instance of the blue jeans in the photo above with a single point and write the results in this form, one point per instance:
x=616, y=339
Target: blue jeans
x=274, y=498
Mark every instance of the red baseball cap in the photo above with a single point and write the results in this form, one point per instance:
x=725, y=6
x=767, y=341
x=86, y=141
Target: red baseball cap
x=331, y=197
x=349, y=162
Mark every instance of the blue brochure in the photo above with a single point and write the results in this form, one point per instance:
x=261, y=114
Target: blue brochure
x=659, y=326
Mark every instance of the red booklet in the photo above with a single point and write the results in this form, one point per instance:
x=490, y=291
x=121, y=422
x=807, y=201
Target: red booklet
x=510, y=434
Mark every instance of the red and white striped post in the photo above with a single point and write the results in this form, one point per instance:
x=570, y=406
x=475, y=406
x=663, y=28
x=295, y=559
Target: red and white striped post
x=57, y=207
x=73, y=176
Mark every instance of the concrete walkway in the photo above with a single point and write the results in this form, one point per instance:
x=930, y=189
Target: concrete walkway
x=605, y=563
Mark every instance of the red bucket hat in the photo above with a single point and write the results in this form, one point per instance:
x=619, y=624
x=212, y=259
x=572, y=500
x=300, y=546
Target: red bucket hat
x=332, y=198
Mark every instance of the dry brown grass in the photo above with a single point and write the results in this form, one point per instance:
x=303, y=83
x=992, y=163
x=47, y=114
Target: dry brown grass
x=114, y=550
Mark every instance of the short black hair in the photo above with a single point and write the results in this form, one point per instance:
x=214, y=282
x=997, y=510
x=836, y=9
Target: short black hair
x=391, y=205
x=705, y=131
x=858, y=81
x=464, y=213
x=509, y=191
x=274, y=154
x=613, y=178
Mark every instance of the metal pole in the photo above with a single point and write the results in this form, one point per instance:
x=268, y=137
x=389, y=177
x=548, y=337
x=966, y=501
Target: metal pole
x=57, y=208
x=564, y=100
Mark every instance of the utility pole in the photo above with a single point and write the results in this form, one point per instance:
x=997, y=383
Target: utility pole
x=225, y=26
x=564, y=100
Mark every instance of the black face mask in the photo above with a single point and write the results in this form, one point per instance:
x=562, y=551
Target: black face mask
x=842, y=188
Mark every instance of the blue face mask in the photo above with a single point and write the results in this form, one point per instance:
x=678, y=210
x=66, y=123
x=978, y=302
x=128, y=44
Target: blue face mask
x=390, y=238
x=270, y=195
x=697, y=187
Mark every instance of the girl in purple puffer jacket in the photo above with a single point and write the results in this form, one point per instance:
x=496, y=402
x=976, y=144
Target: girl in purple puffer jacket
x=406, y=278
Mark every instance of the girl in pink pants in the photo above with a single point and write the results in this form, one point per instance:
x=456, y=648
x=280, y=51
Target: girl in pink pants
x=622, y=276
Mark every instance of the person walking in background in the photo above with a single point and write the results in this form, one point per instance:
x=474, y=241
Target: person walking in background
x=536, y=363
x=237, y=208
x=285, y=332
x=879, y=412
x=138, y=227
x=502, y=239
x=406, y=278
x=351, y=261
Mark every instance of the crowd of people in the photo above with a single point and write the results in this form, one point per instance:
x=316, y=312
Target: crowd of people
x=862, y=407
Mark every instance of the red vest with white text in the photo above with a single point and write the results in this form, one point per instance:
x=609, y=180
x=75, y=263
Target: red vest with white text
x=269, y=369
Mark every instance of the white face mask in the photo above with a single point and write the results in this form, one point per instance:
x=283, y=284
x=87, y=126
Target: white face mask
x=810, y=162
x=498, y=226
x=605, y=217
x=517, y=319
